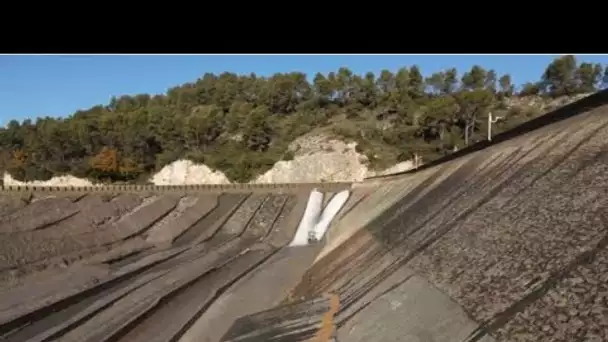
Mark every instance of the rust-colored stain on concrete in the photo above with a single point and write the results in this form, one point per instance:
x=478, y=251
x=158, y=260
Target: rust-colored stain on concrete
x=326, y=331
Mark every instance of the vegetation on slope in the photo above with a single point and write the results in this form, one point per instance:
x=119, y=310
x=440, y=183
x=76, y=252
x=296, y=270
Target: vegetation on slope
x=243, y=124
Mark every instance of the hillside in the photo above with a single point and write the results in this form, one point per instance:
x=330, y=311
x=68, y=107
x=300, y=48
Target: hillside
x=241, y=125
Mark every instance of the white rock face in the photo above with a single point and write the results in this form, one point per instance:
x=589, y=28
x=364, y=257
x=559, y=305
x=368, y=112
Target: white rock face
x=318, y=159
x=323, y=159
x=183, y=172
x=55, y=181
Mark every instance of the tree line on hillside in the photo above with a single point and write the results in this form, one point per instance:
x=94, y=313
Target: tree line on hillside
x=243, y=124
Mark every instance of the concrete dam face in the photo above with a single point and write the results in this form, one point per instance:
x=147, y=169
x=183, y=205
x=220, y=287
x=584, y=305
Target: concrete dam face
x=502, y=241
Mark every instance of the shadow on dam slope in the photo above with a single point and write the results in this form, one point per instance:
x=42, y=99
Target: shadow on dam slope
x=504, y=242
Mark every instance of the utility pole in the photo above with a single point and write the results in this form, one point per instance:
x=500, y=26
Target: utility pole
x=491, y=120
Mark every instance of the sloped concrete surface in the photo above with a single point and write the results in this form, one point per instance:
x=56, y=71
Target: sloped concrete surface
x=504, y=243
x=144, y=266
x=265, y=288
x=414, y=311
x=298, y=321
x=514, y=234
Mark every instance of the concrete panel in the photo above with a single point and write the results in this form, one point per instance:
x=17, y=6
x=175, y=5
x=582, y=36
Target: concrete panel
x=414, y=311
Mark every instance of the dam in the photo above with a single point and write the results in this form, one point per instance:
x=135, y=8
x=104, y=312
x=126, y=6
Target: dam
x=501, y=241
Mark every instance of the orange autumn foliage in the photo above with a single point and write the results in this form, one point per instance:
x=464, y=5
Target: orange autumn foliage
x=106, y=160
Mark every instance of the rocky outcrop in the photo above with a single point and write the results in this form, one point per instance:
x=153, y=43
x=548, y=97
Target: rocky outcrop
x=184, y=172
x=318, y=158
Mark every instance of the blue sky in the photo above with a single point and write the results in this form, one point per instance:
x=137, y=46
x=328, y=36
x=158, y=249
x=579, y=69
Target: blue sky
x=33, y=86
